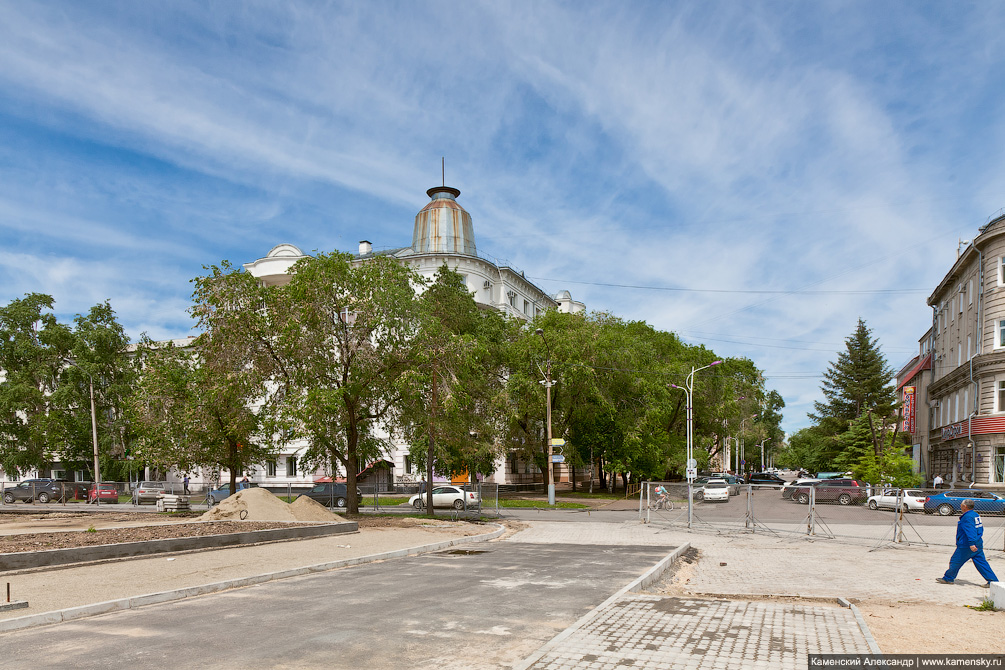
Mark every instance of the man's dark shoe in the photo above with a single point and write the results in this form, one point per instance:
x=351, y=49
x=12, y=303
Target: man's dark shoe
x=943, y=581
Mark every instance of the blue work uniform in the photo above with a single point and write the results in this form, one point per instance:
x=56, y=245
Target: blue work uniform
x=969, y=532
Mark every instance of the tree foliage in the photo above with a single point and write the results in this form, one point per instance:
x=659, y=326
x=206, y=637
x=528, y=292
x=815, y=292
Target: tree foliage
x=452, y=396
x=45, y=393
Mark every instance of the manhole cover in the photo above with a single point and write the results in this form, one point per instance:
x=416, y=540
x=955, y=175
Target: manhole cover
x=465, y=552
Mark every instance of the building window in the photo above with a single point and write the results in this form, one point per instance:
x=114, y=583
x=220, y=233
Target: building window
x=966, y=403
x=512, y=299
x=526, y=307
x=1001, y=271
x=969, y=356
x=959, y=355
x=970, y=292
x=999, y=464
x=956, y=407
x=270, y=468
x=961, y=300
x=1000, y=396
x=1000, y=340
x=291, y=466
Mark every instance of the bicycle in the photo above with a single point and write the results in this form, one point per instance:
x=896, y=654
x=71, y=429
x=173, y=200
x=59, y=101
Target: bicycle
x=661, y=504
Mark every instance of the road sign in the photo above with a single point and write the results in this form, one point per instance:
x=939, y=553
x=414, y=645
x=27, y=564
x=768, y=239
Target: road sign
x=692, y=473
x=691, y=463
x=743, y=462
x=557, y=442
x=557, y=458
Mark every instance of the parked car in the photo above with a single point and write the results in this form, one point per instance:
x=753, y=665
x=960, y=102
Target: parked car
x=715, y=490
x=104, y=493
x=790, y=487
x=43, y=490
x=842, y=491
x=765, y=479
x=912, y=500
x=947, y=503
x=331, y=494
x=148, y=492
x=733, y=481
x=446, y=496
x=216, y=496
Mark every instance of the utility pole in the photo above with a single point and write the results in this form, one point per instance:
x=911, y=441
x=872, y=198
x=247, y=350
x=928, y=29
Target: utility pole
x=549, y=475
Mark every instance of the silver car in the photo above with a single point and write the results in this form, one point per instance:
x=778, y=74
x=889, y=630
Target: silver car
x=148, y=492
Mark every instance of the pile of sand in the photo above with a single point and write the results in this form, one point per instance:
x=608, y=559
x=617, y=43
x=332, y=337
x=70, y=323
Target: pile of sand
x=308, y=509
x=257, y=504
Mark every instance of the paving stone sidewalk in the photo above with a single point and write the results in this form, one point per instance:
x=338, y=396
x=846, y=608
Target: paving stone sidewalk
x=655, y=632
x=697, y=627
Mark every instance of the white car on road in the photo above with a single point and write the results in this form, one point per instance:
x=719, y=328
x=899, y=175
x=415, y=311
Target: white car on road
x=913, y=500
x=715, y=490
x=447, y=496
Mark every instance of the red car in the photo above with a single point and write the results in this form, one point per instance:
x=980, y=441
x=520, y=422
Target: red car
x=104, y=493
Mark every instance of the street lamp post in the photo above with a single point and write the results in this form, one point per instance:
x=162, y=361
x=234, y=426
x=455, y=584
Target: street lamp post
x=549, y=477
x=762, y=453
x=94, y=432
x=690, y=472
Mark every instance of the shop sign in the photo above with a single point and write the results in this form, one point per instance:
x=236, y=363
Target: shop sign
x=955, y=430
x=909, y=408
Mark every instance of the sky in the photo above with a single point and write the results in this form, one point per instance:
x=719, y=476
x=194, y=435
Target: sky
x=754, y=176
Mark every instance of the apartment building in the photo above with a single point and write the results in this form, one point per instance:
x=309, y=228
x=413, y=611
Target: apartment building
x=966, y=394
x=442, y=233
x=912, y=385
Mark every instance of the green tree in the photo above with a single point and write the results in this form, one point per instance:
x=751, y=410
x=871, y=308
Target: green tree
x=34, y=348
x=334, y=340
x=100, y=354
x=812, y=449
x=192, y=410
x=453, y=392
x=886, y=464
x=859, y=382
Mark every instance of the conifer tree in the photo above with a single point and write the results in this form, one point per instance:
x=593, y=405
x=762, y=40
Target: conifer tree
x=859, y=382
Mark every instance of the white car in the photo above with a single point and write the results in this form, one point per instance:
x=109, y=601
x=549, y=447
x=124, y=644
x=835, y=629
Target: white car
x=715, y=489
x=447, y=496
x=914, y=500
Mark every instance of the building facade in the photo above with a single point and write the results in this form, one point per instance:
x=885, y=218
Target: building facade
x=912, y=385
x=442, y=234
x=966, y=394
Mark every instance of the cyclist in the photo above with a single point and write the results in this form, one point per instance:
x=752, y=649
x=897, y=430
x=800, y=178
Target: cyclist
x=662, y=496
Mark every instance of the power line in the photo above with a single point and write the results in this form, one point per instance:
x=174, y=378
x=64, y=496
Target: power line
x=684, y=289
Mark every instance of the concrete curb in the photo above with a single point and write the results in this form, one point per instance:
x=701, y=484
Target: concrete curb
x=103, y=552
x=643, y=582
x=69, y=614
x=869, y=639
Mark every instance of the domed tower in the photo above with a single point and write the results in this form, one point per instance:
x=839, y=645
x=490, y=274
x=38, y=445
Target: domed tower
x=443, y=226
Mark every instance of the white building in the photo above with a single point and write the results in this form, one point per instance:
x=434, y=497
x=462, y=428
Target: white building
x=443, y=234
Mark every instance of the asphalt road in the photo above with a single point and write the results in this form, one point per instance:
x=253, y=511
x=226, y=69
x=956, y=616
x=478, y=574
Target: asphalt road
x=484, y=606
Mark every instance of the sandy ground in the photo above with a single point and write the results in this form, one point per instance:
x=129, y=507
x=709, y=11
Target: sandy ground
x=898, y=627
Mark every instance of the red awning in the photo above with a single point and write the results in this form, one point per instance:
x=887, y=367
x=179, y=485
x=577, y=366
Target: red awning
x=924, y=364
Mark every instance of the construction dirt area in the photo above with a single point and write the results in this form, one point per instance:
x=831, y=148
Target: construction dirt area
x=249, y=510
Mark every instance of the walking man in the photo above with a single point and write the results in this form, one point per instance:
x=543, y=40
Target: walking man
x=969, y=546
x=937, y=482
x=185, y=482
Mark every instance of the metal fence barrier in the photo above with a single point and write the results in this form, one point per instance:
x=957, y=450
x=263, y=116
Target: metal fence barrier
x=881, y=515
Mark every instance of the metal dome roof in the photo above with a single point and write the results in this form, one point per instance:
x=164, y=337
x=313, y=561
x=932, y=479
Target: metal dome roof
x=443, y=226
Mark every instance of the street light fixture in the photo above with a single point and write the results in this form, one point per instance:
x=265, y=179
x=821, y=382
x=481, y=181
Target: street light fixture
x=691, y=470
x=548, y=477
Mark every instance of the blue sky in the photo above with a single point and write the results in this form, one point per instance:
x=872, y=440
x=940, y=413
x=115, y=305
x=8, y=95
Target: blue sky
x=624, y=151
